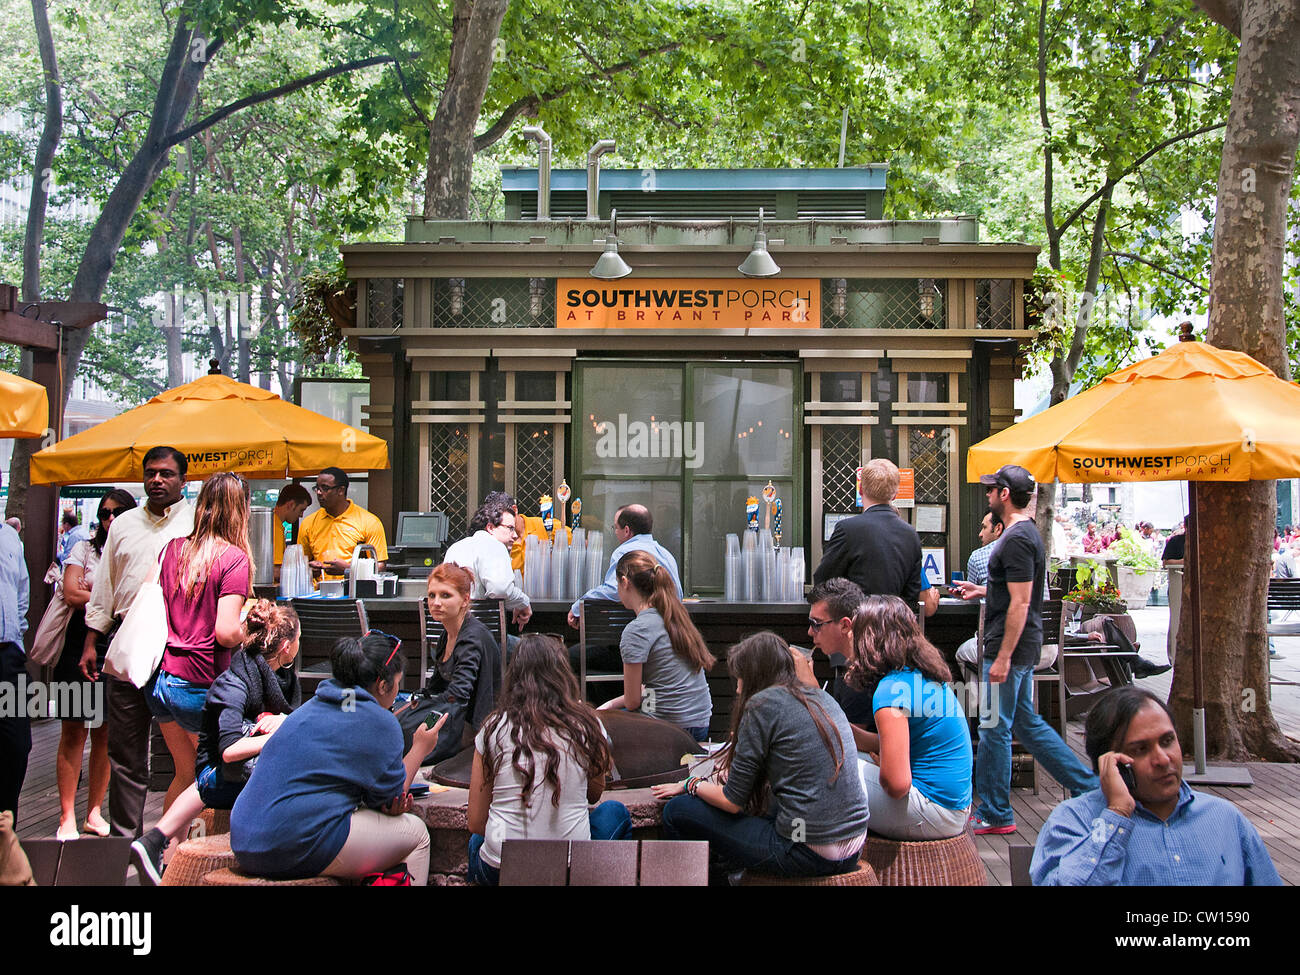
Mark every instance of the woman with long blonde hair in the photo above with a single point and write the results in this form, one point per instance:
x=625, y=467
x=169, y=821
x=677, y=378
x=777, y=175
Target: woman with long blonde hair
x=665, y=659
x=205, y=579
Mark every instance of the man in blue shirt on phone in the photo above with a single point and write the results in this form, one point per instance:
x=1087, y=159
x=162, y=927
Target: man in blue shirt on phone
x=1144, y=827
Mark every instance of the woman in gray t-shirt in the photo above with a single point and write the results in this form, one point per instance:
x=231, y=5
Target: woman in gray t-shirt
x=785, y=797
x=662, y=650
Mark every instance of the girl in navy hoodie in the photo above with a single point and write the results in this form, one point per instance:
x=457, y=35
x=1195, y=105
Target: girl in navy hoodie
x=329, y=793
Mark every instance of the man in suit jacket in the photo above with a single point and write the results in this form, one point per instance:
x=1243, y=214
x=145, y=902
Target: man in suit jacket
x=876, y=549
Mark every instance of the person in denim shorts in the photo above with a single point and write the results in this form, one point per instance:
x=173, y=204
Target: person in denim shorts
x=205, y=579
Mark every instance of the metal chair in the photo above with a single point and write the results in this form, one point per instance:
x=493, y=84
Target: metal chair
x=323, y=622
x=600, y=624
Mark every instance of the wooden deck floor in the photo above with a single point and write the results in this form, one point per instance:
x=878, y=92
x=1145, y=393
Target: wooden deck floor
x=1272, y=804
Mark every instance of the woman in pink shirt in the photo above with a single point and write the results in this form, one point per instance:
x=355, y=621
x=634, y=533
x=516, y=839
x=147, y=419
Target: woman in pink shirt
x=205, y=579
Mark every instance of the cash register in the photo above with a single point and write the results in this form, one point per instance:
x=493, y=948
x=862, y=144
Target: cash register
x=421, y=537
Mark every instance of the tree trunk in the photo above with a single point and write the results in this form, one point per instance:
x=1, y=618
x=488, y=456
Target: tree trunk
x=20, y=459
x=173, y=332
x=180, y=78
x=1246, y=314
x=45, y=149
x=474, y=29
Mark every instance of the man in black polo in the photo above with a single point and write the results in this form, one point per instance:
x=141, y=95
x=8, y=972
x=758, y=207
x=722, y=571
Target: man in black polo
x=876, y=549
x=1013, y=639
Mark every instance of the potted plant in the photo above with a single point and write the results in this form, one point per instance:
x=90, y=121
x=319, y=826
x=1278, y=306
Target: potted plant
x=1094, y=593
x=1135, y=567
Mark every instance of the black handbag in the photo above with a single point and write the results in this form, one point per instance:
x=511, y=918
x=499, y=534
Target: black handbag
x=417, y=711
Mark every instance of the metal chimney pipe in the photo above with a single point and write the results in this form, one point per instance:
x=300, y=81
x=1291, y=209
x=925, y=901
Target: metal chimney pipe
x=543, y=169
x=593, y=176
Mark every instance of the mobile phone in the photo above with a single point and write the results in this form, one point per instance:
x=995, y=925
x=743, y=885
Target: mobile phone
x=1126, y=773
x=432, y=719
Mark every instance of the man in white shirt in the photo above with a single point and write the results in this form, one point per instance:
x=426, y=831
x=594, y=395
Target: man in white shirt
x=486, y=553
x=130, y=558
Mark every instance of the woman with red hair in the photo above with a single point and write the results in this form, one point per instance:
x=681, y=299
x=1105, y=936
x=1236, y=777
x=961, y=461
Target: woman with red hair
x=467, y=661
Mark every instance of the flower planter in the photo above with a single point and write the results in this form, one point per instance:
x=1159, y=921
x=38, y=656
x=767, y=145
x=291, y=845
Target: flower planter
x=1134, y=585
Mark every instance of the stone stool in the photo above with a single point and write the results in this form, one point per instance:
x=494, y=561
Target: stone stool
x=863, y=876
x=197, y=857
x=232, y=877
x=953, y=862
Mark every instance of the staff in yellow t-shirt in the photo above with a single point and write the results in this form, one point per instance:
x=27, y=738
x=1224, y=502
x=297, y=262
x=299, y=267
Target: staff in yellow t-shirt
x=329, y=534
x=288, y=511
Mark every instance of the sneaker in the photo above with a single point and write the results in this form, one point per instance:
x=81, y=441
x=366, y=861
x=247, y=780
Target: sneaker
x=147, y=855
x=981, y=826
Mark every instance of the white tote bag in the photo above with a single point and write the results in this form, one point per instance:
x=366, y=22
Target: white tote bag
x=140, y=641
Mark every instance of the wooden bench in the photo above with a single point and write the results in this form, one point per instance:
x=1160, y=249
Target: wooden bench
x=90, y=861
x=604, y=863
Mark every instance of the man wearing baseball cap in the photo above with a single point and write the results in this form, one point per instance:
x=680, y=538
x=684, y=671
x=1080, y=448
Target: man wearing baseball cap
x=1013, y=638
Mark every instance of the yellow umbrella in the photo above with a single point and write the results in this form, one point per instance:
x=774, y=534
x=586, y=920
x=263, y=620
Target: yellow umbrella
x=24, y=407
x=220, y=425
x=1192, y=413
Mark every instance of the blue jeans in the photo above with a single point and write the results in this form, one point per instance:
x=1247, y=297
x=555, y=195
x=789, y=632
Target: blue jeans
x=609, y=821
x=216, y=791
x=1014, y=701
x=737, y=841
x=699, y=734
x=174, y=699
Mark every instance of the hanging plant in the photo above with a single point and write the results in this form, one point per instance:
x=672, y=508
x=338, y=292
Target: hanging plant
x=326, y=306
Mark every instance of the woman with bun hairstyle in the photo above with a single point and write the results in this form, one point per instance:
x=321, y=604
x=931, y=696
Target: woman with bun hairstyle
x=467, y=660
x=919, y=783
x=786, y=797
x=662, y=650
x=245, y=706
x=539, y=759
x=329, y=792
x=78, y=579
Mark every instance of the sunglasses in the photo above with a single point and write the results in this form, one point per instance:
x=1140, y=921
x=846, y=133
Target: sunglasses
x=816, y=625
x=396, y=641
x=109, y=513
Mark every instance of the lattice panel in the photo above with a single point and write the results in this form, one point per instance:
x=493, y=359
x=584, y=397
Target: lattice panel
x=494, y=303
x=884, y=302
x=534, y=464
x=841, y=458
x=993, y=298
x=929, y=461
x=384, y=297
x=449, y=475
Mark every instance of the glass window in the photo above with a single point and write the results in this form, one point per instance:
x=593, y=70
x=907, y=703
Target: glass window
x=662, y=498
x=632, y=420
x=718, y=510
x=841, y=387
x=535, y=387
x=927, y=387
x=745, y=419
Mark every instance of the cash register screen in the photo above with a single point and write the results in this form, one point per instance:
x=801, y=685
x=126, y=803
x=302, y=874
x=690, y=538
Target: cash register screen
x=419, y=530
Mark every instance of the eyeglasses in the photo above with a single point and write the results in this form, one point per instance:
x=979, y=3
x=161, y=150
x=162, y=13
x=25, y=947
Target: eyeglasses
x=322, y=488
x=108, y=513
x=815, y=625
x=397, y=642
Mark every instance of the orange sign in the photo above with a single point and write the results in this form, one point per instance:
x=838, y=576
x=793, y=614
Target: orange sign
x=906, y=497
x=688, y=303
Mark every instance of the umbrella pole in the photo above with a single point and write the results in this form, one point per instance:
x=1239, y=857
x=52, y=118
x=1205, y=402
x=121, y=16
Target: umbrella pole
x=1203, y=775
x=1192, y=558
